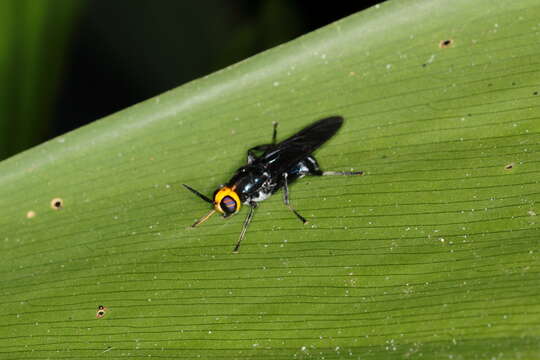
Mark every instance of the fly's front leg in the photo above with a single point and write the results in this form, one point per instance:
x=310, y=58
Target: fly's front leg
x=249, y=216
x=251, y=156
x=287, y=202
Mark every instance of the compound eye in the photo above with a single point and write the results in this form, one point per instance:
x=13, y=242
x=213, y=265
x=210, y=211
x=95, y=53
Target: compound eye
x=228, y=205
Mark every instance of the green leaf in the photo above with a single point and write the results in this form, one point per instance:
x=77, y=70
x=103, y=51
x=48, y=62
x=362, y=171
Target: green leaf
x=432, y=254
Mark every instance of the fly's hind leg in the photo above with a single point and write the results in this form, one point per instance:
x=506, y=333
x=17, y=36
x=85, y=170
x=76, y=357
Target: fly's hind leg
x=344, y=173
x=287, y=202
x=314, y=169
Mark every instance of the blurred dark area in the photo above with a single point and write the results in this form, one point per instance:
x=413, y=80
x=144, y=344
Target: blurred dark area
x=92, y=58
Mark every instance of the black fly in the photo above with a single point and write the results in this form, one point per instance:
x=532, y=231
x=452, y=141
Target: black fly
x=271, y=167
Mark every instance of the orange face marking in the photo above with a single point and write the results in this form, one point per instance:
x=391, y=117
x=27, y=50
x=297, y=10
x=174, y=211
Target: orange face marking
x=229, y=197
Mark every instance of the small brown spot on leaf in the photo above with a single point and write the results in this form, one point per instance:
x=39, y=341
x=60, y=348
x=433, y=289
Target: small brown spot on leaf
x=30, y=214
x=57, y=203
x=509, y=166
x=101, y=311
x=446, y=43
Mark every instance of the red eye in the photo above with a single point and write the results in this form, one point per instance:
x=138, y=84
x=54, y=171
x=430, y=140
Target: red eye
x=228, y=205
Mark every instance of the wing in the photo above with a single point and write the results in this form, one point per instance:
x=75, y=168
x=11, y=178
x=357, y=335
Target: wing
x=289, y=152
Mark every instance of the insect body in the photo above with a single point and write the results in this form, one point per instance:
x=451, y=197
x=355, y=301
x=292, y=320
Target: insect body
x=271, y=167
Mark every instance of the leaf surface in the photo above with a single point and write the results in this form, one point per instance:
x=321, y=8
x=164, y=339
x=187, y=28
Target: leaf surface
x=432, y=254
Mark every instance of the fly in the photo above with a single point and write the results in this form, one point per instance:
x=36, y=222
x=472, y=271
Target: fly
x=271, y=167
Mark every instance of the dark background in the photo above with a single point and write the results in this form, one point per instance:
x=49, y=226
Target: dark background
x=117, y=53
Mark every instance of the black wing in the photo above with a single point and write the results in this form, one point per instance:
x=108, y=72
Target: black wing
x=290, y=151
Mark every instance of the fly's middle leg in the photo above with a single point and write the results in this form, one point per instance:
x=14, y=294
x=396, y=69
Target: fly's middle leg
x=287, y=202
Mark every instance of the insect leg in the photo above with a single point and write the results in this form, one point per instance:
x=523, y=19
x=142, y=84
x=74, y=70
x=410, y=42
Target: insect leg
x=346, y=173
x=286, y=199
x=249, y=216
x=311, y=167
x=252, y=156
